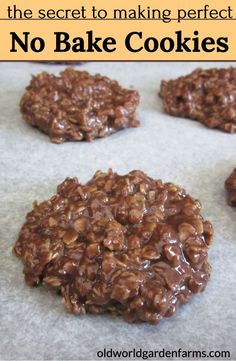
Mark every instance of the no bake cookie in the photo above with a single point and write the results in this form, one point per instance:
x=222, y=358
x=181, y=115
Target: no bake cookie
x=65, y=62
x=131, y=245
x=208, y=96
x=230, y=186
x=78, y=106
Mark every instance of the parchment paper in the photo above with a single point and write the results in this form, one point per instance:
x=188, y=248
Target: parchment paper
x=33, y=322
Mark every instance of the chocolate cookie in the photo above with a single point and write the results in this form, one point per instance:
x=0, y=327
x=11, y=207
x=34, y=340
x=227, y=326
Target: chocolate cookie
x=128, y=244
x=230, y=186
x=78, y=106
x=208, y=96
x=62, y=62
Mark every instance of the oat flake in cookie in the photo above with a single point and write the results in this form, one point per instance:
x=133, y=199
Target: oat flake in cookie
x=131, y=245
x=78, y=106
x=208, y=96
x=230, y=186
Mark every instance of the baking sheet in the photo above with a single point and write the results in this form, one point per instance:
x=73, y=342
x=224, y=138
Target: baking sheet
x=33, y=322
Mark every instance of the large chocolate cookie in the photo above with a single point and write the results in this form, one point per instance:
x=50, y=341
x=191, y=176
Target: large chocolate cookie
x=230, y=186
x=208, y=96
x=128, y=244
x=78, y=106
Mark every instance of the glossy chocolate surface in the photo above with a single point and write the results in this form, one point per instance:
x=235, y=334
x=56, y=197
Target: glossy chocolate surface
x=230, y=186
x=78, y=106
x=131, y=245
x=208, y=96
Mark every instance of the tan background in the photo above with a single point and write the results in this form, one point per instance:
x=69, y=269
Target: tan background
x=117, y=29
